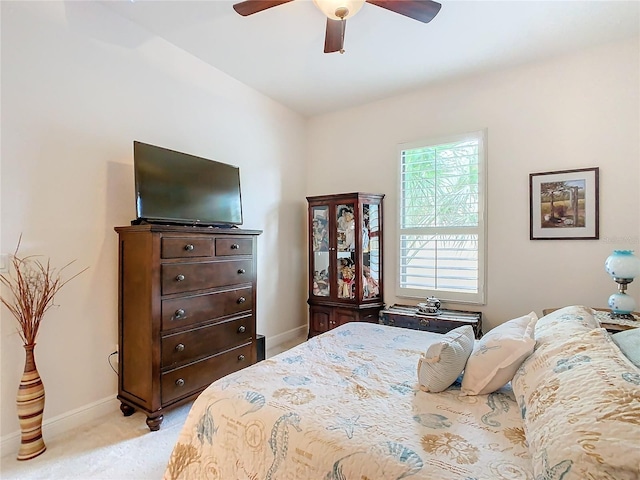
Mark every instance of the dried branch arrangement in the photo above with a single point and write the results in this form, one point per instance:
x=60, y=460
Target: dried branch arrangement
x=33, y=288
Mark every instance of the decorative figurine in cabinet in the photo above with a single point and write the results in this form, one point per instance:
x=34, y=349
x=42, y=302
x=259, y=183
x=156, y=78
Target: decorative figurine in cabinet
x=345, y=260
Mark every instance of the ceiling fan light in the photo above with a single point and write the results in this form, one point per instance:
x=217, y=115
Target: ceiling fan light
x=330, y=7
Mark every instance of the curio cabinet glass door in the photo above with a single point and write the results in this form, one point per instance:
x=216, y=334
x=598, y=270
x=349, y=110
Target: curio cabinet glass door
x=345, y=259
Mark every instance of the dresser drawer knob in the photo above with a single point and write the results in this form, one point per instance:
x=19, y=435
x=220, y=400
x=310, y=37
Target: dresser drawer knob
x=241, y=357
x=180, y=382
x=242, y=329
x=179, y=347
x=188, y=247
x=179, y=277
x=179, y=313
x=424, y=322
x=241, y=300
x=235, y=246
x=241, y=271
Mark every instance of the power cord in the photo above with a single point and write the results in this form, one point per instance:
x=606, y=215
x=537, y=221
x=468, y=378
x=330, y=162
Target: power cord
x=109, y=360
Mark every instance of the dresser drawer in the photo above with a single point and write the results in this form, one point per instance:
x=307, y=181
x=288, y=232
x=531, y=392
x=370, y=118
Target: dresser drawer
x=200, y=342
x=233, y=246
x=185, y=380
x=186, y=247
x=187, y=277
x=425, y=324
x=185, y=311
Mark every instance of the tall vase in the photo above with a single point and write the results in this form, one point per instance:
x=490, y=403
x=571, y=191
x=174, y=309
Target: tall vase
x=30, y=402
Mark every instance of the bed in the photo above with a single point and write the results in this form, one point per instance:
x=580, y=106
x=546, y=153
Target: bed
x=346, y=405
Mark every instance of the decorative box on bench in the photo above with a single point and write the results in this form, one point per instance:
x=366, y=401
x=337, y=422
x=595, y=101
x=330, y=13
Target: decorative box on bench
x=408, y=316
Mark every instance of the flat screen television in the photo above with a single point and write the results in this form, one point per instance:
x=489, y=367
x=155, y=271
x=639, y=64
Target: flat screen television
x=178, y=188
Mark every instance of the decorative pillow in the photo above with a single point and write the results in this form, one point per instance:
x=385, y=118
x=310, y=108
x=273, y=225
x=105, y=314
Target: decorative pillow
x=497, y=355
x=580, y=402
x=565, y=321
x=444, y=360
x=629, y=343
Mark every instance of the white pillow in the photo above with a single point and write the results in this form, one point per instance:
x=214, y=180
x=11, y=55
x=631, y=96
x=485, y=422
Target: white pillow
x=444, y=360
x=497, y=355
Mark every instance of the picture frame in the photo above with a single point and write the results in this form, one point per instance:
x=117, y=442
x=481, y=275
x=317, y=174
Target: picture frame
x=564, y=205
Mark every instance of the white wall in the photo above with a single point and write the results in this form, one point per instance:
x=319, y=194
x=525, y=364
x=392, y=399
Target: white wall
x=573, y=112
x=78, y=86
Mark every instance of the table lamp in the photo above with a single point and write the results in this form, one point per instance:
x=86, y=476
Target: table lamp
x=623, y=266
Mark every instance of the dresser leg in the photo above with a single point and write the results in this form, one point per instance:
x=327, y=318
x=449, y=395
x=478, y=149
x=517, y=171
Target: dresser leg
x=126, y=410
x=154, y=422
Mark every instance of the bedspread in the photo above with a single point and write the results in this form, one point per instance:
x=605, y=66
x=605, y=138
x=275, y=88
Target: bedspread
x=345, y=405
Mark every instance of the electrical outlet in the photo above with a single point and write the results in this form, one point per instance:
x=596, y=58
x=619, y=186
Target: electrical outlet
x=4, y=263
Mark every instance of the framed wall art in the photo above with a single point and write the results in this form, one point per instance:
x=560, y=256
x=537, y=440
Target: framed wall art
x=564, y=205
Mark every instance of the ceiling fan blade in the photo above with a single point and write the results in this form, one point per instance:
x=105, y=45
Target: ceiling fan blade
x=421, y=10
x=334, y=36
x=249, y=7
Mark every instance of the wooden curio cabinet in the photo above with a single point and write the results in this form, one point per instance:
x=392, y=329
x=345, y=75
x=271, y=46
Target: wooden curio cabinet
x=345, y=260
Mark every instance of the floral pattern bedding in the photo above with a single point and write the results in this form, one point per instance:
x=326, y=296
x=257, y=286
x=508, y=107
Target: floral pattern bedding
x=345, y=405
x=580, y=401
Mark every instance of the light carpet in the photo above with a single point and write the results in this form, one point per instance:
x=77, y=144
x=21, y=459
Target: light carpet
x=113, y=447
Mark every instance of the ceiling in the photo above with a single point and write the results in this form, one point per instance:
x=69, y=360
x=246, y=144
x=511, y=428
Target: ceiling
x=279, y=51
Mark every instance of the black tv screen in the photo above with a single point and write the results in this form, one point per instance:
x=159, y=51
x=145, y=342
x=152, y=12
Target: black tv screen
x=178, y=188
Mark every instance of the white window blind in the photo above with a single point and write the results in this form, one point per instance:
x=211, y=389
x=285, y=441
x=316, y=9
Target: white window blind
x=441, y=234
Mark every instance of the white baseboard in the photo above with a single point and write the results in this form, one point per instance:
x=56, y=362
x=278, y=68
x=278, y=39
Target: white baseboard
x=277, y=340
x=62, y=424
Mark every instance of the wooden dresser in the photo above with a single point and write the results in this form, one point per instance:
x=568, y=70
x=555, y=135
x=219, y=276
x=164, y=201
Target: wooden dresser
x=187, y=316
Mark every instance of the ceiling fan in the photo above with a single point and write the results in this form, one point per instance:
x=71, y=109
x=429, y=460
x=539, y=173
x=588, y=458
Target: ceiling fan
x=337, y=12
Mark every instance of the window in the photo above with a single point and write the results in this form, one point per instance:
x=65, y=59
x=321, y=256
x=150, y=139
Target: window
x=441, y=228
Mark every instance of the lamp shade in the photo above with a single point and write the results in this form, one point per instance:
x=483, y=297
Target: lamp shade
x=622, y=264
x=330, y=7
